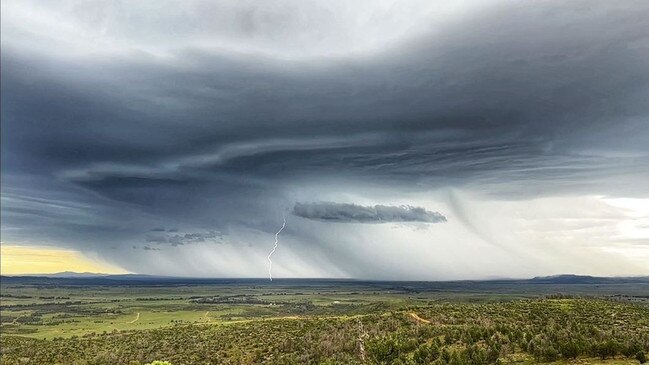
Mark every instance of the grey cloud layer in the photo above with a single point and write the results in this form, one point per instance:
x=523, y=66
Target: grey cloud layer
x=176, y=239
x=440, y=107
x=352, y=213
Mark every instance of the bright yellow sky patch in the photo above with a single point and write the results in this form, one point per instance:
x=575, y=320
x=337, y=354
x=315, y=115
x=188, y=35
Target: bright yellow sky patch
x=17, y=260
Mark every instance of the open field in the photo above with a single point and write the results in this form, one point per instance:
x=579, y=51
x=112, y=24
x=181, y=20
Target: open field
x=81, y=321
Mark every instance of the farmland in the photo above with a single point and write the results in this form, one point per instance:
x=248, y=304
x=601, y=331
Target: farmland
x=83, y=321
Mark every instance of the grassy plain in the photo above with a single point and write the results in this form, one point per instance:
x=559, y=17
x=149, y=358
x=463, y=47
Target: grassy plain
x=81, y=321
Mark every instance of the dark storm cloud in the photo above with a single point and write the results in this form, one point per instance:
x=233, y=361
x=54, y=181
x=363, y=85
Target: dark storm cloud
x=101, y=141
x=352, y=213
x=448, y=108
x=175, y=239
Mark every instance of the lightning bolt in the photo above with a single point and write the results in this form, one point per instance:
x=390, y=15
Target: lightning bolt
x=270, y=262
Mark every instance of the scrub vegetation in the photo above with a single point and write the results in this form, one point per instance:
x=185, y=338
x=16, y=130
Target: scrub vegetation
x=324, y=323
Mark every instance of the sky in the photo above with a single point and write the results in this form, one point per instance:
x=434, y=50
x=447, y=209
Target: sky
x=410, y=140
x=16, y=260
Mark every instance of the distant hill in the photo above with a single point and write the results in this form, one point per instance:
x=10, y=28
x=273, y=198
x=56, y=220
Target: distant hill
x=71, y=274
x=585, y=279
x=89, y=275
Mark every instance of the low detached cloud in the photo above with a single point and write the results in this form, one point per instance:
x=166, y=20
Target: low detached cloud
x=161, y=236
x=352, y=213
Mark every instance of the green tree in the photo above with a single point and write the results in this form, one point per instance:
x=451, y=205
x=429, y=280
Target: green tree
x=569, y=350
x=606, y=349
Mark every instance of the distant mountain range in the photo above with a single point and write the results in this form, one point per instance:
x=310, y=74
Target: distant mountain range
x=90, y=275
x=94, y=278
x=70, y=274
x=586, y=279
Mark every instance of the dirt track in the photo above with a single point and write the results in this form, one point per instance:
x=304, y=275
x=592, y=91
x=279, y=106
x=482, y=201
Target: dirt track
x=417, y=318
x=136, y=318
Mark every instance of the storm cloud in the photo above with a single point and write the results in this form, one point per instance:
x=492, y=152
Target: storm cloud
x=176, y=239
x=352, y=213
x=216, y=116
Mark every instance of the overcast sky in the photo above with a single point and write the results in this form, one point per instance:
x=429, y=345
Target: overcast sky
x=401, y=140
